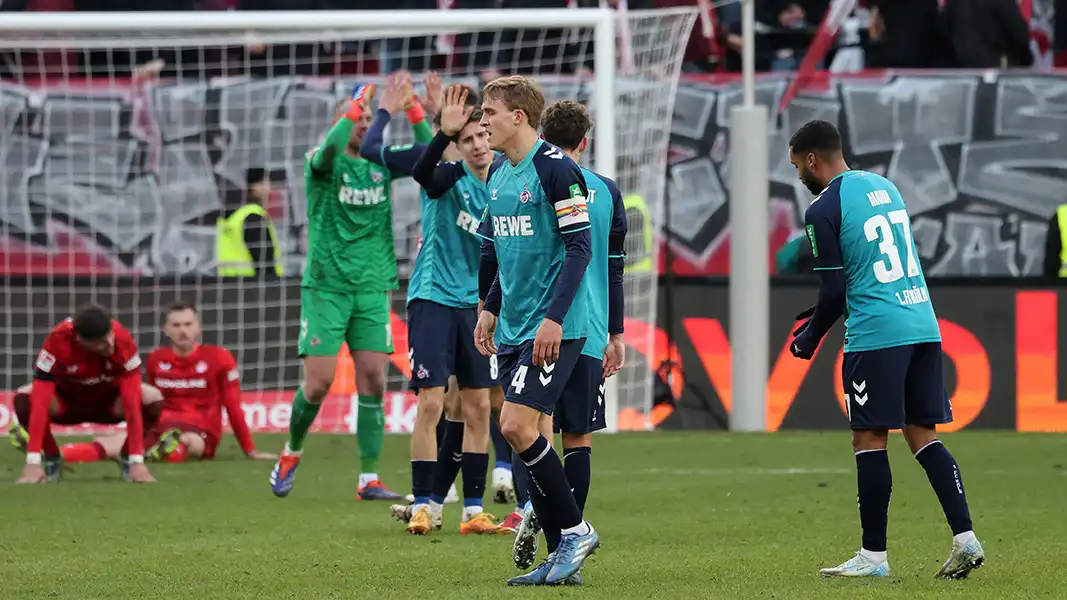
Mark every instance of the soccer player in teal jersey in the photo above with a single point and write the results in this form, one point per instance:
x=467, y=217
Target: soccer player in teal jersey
x=580, y=411
x=869, y=270
x=442, y=311
x=536, y=310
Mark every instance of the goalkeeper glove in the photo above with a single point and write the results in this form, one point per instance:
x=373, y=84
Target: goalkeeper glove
x=362, y=95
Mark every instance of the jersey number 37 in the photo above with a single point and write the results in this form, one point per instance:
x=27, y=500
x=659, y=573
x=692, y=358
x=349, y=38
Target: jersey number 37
x=879, y=228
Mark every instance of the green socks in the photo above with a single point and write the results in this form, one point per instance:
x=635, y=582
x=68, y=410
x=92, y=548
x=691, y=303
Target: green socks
x=304, y=414
x=370, y=432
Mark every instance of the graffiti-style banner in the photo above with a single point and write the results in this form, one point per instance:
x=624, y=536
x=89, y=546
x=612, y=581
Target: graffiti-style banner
x=974, y=154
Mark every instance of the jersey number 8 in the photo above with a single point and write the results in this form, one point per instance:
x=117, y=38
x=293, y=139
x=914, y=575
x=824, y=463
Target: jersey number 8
x=878, y=228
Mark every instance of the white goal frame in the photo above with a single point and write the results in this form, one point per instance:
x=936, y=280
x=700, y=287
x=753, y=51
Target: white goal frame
x=93, y=29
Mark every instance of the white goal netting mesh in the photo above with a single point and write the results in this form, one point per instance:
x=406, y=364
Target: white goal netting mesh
x=119, y=154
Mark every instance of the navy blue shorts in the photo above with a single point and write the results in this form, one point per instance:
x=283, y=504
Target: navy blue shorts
x=891, y=387
x=533, y=386
x=581, y=407
x=441, y=343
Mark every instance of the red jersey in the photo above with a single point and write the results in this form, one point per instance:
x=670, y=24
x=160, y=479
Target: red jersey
x=65, y=369
x=80, y=375
x=197, y=386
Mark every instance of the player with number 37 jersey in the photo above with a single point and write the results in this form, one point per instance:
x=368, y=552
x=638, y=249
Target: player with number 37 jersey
x=892, y=372
x=863, y=226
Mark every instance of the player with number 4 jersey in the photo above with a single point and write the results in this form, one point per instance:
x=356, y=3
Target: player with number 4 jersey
x=538, y=239
x=869, y=270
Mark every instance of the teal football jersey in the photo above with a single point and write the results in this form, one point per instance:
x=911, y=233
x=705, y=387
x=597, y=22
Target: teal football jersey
x=607, y=217
x=446, y=268
x=531, y=206
x=859, y=223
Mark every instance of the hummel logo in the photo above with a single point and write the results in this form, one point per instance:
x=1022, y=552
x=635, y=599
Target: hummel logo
x=545, y=380
x=457, y=457
x=549, y=367
x=859, y=396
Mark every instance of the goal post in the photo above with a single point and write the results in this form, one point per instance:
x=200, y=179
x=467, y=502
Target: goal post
x=124, y=137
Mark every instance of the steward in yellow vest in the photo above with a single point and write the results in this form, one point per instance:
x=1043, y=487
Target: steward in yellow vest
x=246, y=244
x=1056, y=244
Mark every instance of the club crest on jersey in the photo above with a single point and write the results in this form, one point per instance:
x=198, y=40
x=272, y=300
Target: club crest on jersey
x=164, y=366
x=376, y=177
x=345, y=179
x=72, y=369
x=492, y=194
x=422, y=373
x=525, y=196
x=201, y=367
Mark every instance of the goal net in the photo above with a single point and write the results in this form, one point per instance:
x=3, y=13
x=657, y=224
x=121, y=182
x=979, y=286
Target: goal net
x=125, y=137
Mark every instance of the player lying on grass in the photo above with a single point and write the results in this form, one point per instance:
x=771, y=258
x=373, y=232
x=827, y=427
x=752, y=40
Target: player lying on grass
x=868, y=266
x=196, y=381
x=580, y=410
x=88, y=371
x=442, y=297
x=350, y=273
x=538, y=228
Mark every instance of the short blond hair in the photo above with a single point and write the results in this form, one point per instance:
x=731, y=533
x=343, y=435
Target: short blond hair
x=518, y=93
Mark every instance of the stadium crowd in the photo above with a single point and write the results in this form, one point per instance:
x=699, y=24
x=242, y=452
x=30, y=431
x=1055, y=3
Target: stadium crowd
x=885, y=33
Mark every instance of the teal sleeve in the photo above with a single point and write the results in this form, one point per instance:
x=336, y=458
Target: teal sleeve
x=334, y=146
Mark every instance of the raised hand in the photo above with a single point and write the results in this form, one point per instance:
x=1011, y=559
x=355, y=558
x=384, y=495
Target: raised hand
x=454, y=110
x=435, y=94
x=397, y=92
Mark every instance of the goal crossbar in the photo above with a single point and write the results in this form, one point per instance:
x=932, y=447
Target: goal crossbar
x=433, y=20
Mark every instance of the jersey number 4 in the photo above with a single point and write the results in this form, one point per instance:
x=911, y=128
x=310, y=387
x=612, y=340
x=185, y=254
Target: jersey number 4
x=879, y=228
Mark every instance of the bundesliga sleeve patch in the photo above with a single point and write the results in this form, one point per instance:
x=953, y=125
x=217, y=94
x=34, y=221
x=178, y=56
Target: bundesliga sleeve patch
x=45, y=361
x=573, y=210
x=132, y=364
x=811, y=238
x=233, y=375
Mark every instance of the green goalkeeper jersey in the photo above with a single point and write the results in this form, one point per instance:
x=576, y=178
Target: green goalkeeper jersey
x=350, y=219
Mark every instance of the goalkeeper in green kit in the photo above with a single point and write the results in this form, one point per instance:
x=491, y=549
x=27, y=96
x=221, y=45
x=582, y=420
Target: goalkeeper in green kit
x=350, y=272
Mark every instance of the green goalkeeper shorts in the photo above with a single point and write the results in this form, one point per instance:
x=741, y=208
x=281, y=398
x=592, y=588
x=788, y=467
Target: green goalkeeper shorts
x=329, y=318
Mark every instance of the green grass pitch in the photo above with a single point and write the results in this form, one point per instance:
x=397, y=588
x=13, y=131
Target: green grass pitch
x=681, y=516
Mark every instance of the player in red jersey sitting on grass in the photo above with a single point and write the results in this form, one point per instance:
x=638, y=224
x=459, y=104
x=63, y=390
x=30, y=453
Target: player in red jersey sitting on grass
x=196, y=381
x=88, y=371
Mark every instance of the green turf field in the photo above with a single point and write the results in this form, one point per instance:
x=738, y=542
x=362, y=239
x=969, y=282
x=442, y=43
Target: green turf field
x=695, y=515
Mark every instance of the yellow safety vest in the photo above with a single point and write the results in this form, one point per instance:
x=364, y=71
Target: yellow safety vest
x=232, y=254
x=1061, y=216
x=637, y=216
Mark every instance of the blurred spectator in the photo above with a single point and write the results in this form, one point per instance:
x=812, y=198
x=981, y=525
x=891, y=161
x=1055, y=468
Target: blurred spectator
x=413, y=53
x=792, y=26
x=279, y=60
x=247, y=244
x=986, y=34
x=705, y=53
x=903, y=34
x=1055, y=256
x=9, y=59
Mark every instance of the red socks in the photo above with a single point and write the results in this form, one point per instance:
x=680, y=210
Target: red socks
x=84, y=452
